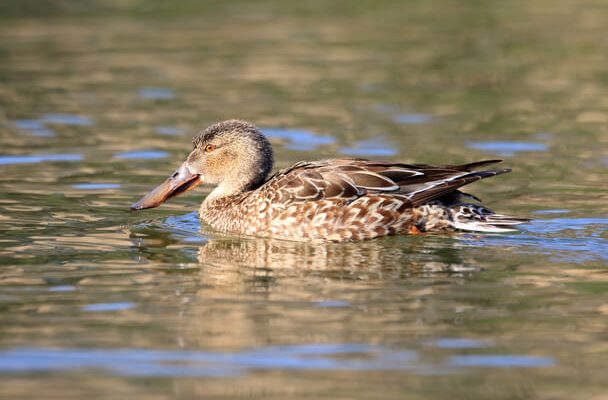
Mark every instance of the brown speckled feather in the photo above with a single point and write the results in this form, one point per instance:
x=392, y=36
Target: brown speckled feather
x=345, y=199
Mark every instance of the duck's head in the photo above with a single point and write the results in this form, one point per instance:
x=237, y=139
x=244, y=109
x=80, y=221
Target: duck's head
x=234, y=155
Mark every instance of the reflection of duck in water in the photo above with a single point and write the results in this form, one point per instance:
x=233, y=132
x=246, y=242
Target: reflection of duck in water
x=226, y=257
x=334, y=200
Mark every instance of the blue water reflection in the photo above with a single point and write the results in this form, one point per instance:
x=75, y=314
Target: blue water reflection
x=38, y=158
x=96, y=186
x=377, y=147
x=589, y=244
x=403, y=118
x=66, y=119
x=501, y=361
x=333, y=303
x=35, y=127
x=156, y=93
x=562, y=224
x=413, y=119
x=507, y=148
x=346, y=357
x=168, y=130
x=62, y=288
x=142, y=154
x=458, y=343
x=108, y=307
x=554, y=211
x=29, y=124
x=299, y=140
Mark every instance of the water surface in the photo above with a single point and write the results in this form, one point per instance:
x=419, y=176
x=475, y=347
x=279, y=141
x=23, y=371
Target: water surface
x=99, y=101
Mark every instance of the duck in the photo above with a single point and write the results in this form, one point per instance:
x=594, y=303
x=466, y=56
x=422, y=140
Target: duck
x=334, y=200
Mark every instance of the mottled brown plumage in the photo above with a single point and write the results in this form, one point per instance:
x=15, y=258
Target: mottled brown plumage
x=334, y=200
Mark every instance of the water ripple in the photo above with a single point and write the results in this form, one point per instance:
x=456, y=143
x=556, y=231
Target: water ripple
x=156, y=93
x=168, y=130
x=458, y=343
x=413, y=119
x=142, y=362
x=377, y=147
x=35, y=127
x=501, y=361
x=96, y=186
x=299, y=140
x=345, y=357
x=507, y=148
x=332, y=303
x=66, y=119
x=107, y=307
x=587, y=244
x=38, y=158
x=142, y=154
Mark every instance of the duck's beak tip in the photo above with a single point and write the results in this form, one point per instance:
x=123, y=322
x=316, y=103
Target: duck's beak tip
x=149, y=201
x=137, y=206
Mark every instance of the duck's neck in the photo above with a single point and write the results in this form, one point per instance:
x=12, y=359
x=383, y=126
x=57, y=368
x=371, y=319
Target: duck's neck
x=225, y=207
x=224, y=210
x=230, y=190
x=243, y=177
x=220, y=192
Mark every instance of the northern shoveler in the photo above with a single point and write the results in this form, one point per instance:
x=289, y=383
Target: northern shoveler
x=333, y=200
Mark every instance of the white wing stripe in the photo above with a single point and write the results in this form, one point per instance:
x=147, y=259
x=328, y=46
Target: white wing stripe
x=431, y=185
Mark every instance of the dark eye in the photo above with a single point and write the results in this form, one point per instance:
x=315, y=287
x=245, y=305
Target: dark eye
x=209, y=148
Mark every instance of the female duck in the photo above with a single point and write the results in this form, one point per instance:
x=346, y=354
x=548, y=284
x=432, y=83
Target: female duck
x=333, y=200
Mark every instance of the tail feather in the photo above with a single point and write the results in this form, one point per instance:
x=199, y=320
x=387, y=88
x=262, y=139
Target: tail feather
x=475, y=165
x=469, y=217
x=476, y=226
x=437, y=189
x=499, y=219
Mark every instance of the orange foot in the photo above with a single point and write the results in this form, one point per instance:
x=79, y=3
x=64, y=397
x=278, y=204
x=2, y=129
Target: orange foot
x=415, y=231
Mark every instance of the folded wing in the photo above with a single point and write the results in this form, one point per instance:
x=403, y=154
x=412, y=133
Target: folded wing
x=346, y=180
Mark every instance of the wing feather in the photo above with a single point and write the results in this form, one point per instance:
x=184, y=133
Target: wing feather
x=349, y=179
